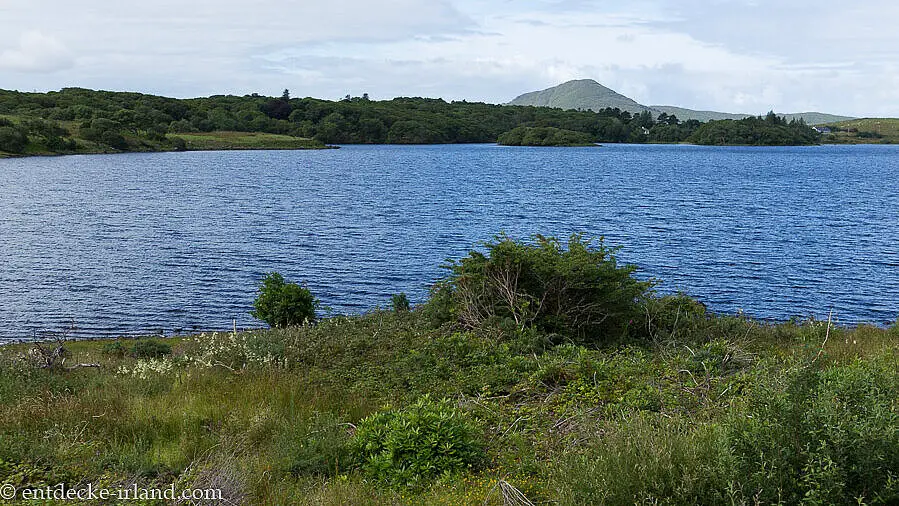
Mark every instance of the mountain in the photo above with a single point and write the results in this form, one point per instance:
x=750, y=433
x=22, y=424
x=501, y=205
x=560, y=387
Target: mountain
x=817, y=118
x=589, y=94
x=686, y=114
x=581, y=94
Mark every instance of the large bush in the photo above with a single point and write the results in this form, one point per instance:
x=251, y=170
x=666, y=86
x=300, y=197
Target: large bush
x=282, y=304
x=829, y=437
x=12, y=139
x=410, y=446
x=578, y=290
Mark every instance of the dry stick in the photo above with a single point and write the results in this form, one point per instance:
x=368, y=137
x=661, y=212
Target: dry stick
x=76, y=366
x=826, y=336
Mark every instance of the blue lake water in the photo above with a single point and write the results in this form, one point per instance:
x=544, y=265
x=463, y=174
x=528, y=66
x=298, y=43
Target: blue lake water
x=136, y=243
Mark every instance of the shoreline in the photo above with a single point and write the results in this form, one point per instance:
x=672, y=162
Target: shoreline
x=4, y=155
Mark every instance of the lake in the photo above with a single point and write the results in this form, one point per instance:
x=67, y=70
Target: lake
x=137, y=243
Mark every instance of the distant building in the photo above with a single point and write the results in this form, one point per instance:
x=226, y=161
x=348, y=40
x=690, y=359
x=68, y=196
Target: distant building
x=822, y=130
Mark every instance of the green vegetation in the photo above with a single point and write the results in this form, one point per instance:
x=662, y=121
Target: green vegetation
x=242, y=140
x=150, y=349
x=863, y=131
x=544, y=136
x=578, y=291
x=769, y=131
x=282, y=304
x=411, y=447
x=76, y=120
x=428, y=406
x=400, y=302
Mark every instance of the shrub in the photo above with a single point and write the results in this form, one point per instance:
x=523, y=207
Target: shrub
x=281, y=304
x=12, y=140
x=671, y=316
x=150, y=349
x=321, y=449
x=400, y=302
x=578, y=291
x=829, y=437
x=544, y=136
x=424, y=441
x=178, y=143
x=114, y=139
x=115, y=348
x=647, y=459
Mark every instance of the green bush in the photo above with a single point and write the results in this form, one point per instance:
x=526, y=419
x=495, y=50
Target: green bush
x=321, y=449
x=115, y=348
x=282, y=304
x=829, y=437
x=672, y=316
x=578, y=291
x=12, y=140
x=150, y=349
x=114, y=139
x=544, y=136
x=424, y=441
x=645, y=458
x=400, y=302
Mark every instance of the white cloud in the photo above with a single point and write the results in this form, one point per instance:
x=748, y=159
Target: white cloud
x=732, y=55
x=36, y=52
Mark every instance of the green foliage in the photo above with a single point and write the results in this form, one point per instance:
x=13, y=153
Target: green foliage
x=713, y=410
x=646, y=459
x=400, y=302
x=114, y=139
x=407, y=447
x=544, y=136
x=578, y=291
x=281, y=304
x=12, y=139
x=668, y=317
x=323, y=448
x=142, y=119
x=150, y=348
x=771, y=131
x=828, y=437
x=115, y=348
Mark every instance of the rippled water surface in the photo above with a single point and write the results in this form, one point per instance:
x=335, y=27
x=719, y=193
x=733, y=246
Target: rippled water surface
x=134, y=243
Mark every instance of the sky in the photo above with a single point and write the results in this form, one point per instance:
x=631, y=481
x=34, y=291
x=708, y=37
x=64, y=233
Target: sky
x=742, y=56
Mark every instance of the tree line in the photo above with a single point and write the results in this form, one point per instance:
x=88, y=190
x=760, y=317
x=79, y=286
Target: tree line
x=124, y=120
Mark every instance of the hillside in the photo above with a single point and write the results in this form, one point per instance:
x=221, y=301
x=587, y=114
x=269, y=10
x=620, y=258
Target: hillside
x=703, y=116
x=864, y=131
x=587, y=94
x=816, y=118
x=584, y=94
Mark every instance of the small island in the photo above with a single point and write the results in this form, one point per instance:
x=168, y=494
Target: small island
x=772, y=130
x=545, y=136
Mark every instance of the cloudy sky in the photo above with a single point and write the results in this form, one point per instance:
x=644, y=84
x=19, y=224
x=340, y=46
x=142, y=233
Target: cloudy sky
x=728, y=55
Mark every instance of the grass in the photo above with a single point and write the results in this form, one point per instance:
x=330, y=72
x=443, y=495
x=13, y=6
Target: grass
x=864, y=131
x=244, y=140
x=651, y=421
x=141, y=142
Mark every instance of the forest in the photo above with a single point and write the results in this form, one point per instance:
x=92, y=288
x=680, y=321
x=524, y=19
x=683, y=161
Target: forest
x=81, y=120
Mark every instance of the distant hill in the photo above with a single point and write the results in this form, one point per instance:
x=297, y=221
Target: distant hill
x=817, y=118
x=686, y=114
x=863, y=131
x=587, y=94
x=583, y=94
